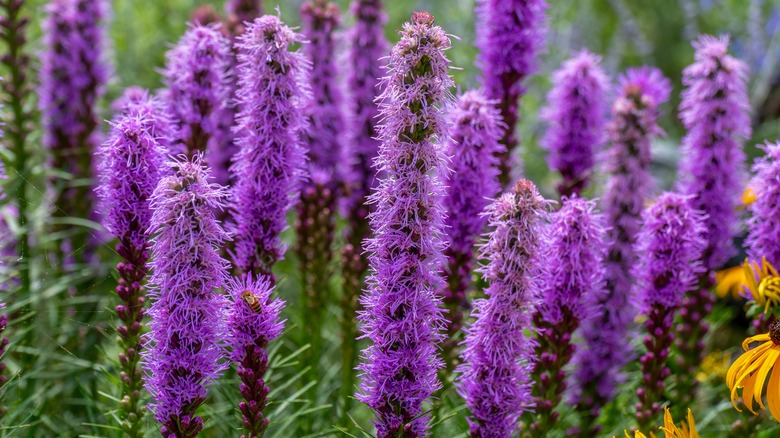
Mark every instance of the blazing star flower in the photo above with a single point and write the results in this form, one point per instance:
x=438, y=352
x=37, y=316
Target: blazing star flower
x=751, y=370
x=575, y=112
x=402, y=318
x=186, y=340
x=475, y=131
x=499, y=355
x=269, y=165
x=510, y=33
x=253, y=322
x=763, y=239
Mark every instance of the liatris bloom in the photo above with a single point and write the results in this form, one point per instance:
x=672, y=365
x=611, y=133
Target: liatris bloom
x=239, y=12
x=572, y=270
x=130, y=167
x=367, y=46
x=671, y=245
x=267, y=169
x=763, y=238
x=198, y=75
x=633, y=126
x=714, y=110
x=498, y=359
x=509, y=35
x=751, y=370
x=253, y=322
x=73, y=77
x=187, y=314
x=476, y=129
x=402, y=317
x=577, y=105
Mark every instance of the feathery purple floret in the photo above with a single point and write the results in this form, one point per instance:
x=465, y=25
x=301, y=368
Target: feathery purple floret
x=326, y=125
x=498, y=358
x=715, y=111
x=198, y=79
x=633, y=126
x=475, y=131
x=268, y=168
x=509, y=36
x=763, y=239
x=402, y=318
x=187, y=314
x=253, y=322
x=576, y=114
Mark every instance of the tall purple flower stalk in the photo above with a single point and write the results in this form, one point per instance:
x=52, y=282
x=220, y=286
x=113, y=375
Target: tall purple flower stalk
x=633, y=126
x=763, y=239
x=198, y=79
x=268, y=168
x=499, y=354
x=402, y=318
x=510, y=33
x=188, y=331
x=253, y=322
x=671, y=245
x=73, y=76
x=576, y=114
x=572, y=271
x=715, y=112
x=367, y=45
x=131, y=165
x=475, y=131
x=317, y=209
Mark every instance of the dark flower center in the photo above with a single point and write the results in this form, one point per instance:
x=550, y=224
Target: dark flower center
x=774, y=332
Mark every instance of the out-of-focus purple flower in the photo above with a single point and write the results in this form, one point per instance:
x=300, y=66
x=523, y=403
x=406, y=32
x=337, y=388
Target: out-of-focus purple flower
x=241, y=12
x=402, y=318
x=633, y=126
x=73, y=77
x=268, y=168
x=510, y=33
x=763, y=238
x=198, y=79
x=475, y=131
x=715, y=111
x=498, y=358
x=3, y=346
x=671, y=244
x=253, y=322
x=576, y=114
x=187, y=335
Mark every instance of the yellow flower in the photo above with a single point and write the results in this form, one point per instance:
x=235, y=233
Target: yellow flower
x=750, y=371
x=748, y=197
x=684, y=431
x=714, y=365
x=637, y=434
x=729, y=281
x=763, y=283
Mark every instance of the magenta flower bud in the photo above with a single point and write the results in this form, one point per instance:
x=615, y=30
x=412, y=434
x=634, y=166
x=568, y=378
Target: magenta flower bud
x=475, y=131
x=267, y=169
x=510, y=33
x=402, y=318
x=763, y=238
x=576, y=117
x=499, y=354
x=187, y=314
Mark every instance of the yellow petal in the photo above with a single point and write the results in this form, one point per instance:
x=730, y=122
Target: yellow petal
x=766, y=368
x=692, y=432
x=747, y=392
x=773, y=394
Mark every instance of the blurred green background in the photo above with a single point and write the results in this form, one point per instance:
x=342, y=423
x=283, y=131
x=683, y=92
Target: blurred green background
x=67, y=392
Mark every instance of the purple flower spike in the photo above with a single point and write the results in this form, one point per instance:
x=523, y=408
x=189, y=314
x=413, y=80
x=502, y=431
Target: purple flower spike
x=510, y=33
x=671, y=245
x=73, y=77
x=475, y=130
x=252, y=324
x=268, y=168
x=572, y=271
x=633, y=126
x=499, y=354
x=239, y=12
x=715, y=112
x=577, y=106
x=188, y=333
x=763, y=238
x=402, y=318
x=198, y=77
